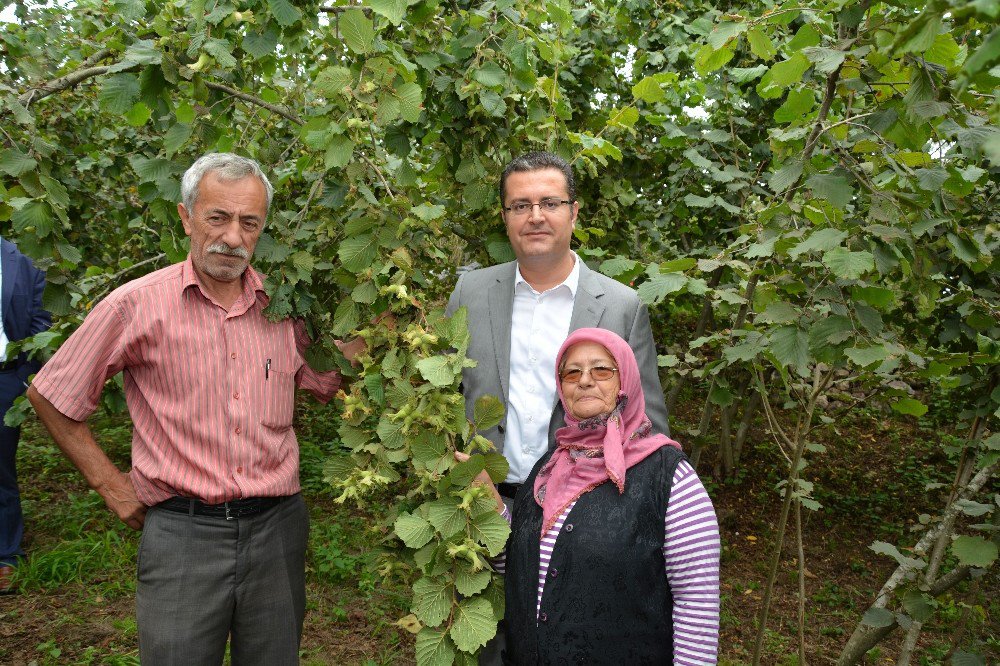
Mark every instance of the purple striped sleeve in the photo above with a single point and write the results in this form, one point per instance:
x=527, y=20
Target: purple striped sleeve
x=691, y=550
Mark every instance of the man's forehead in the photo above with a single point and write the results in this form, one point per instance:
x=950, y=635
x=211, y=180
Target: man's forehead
x=550, y=174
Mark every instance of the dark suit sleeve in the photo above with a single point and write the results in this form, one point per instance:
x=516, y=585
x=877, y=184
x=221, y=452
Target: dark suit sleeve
x=641, y=340
x=41, y=320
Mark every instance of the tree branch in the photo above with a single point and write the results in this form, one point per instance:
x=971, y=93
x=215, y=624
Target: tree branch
x=86, y=70
x=253, y=99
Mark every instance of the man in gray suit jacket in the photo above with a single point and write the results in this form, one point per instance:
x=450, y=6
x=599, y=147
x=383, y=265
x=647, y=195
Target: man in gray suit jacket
x=520, y=313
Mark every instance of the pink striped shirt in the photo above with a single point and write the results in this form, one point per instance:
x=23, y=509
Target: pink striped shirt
x=691, y=550
x=211, y=393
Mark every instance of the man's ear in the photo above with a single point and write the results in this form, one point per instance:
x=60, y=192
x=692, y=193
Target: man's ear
x=185, y=218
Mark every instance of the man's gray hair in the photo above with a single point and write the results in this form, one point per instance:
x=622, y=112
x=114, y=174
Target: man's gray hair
x=226, y=167
x=536, y=161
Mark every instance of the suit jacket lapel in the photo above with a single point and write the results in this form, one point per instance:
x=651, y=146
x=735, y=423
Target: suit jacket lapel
x=501, y=313
x=8, y=266
x=587, y=306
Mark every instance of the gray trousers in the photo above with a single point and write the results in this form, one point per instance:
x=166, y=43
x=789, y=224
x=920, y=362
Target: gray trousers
x=204, y=580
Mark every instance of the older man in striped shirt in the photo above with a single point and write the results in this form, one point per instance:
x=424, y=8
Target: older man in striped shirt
x=210, y=385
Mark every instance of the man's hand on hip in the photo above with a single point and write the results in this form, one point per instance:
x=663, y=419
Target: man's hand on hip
x=119, y=495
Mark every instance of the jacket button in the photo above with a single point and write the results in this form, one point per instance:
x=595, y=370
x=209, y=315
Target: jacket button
x=569, y=528
x=554, y=573
x=543, y=618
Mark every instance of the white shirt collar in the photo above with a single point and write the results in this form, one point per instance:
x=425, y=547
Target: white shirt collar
x=571, y=282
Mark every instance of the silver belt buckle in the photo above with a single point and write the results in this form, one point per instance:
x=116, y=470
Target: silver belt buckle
x=228, y=516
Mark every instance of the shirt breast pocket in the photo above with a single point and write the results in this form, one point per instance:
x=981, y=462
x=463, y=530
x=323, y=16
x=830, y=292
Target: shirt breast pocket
x=278, y=404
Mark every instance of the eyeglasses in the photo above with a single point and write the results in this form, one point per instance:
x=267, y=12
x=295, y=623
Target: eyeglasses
x=545, y=205
x=598, y=373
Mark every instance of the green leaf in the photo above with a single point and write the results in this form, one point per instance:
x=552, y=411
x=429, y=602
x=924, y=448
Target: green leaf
x=910, y=406
x=786, y=72
x=339, y=152
x=57, y=193
x=35, y=214
x=357, y=30
x=824, y=60
x=469, y=582
x=496, y=466
x=411, y=100
x=878, y=617
x=848, y=265
x=487, y=412
x=390, y=432
x=790, y=346
x=490, y=74
x=820, y=241
x=724, y=32
x=332, y=80
x=492, y=531
x=434, y=648
x=659, y=286
x=865, y=356
x=427, y=211
x=760, y=44
x=786, y=176
x=222, y=51
x=284, y=12
x=345, y=318
x=746, y=74
x=357, y=253
x=883, y=548
x=877, y=297
x=142, y=52
x=974, y=551
x=431, y=600
x=464, y=473
x=474, y=624
x=119, y=93
x=445, y=515
x=138, y=115
x=413, y=530
x=918, y=41
x=437, y=370
x=649, y=90
x=492, y=103
x=708, y=59
x=176, y=137
x=987, y=53
x=796, y=106
x=831, y=187
x=394, y=10
x=260, y=44
x=14, y=163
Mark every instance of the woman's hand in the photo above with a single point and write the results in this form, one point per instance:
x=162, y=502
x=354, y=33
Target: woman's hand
x=483, y=479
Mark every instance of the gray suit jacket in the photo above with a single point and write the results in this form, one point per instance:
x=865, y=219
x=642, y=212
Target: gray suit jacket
x=600, y=302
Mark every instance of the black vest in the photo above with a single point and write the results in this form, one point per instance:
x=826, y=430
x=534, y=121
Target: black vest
x=606, y=597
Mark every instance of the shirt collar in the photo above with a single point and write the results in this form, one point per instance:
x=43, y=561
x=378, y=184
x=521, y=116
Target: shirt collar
x=253, y=285
x=571, y=282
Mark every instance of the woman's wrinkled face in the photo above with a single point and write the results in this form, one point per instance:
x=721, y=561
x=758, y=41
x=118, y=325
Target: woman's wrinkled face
x=589, y=379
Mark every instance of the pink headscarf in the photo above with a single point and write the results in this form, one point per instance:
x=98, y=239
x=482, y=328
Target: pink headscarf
x=599, y=448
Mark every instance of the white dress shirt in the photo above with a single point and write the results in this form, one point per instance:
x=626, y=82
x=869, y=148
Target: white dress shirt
x=538, y=327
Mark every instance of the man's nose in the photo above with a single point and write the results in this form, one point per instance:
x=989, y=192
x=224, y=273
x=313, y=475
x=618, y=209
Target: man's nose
x=535, y=214
x=231, y=235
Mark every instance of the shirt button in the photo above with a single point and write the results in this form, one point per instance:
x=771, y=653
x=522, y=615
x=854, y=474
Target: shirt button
x=531, y=389
x=233, y=355
x=239, y=470
x=530, y=418
x=569, y=528
x=237, y=430
x=237, y=395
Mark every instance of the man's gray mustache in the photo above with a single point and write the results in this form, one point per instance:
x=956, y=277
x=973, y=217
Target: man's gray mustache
x=222, y=248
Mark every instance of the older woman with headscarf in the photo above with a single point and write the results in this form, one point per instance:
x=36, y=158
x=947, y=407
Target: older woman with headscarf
x=614, y=550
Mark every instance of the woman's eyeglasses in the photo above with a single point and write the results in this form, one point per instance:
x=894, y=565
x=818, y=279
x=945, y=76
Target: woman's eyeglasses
x=598, y=373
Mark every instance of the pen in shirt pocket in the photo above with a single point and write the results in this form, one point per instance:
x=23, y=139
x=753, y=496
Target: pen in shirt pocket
x=267, y=370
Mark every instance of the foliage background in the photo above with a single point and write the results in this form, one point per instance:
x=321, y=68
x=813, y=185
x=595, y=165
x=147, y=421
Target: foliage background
x=804, y=192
